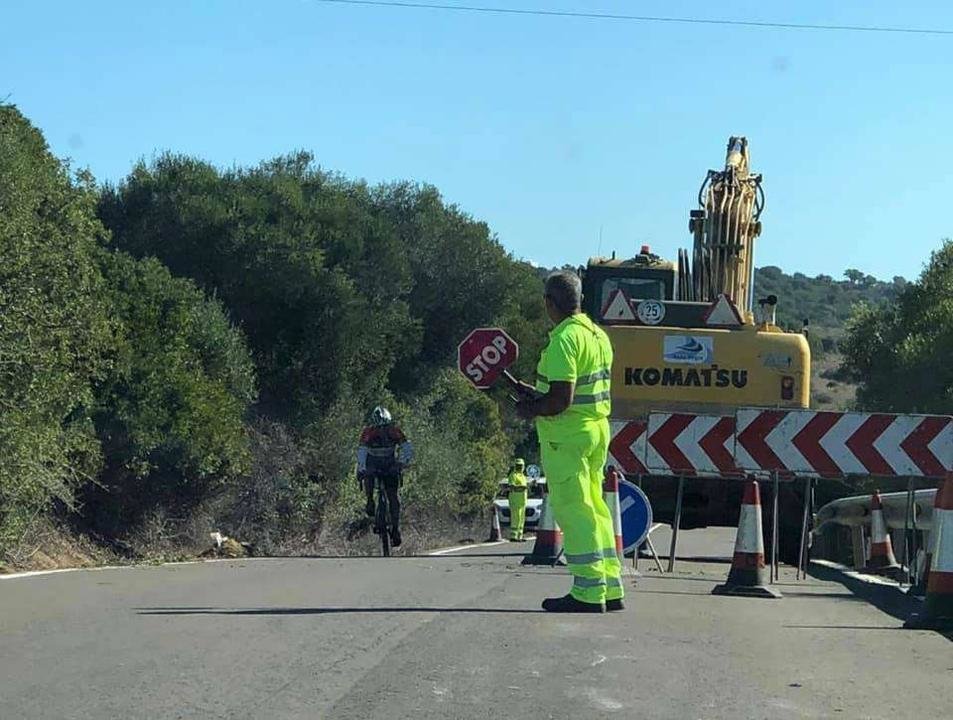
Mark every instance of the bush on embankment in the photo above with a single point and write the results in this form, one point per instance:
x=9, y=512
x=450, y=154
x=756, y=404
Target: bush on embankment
x=197, y=349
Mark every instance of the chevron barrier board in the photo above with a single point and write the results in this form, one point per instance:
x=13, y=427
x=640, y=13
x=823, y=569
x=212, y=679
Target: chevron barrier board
x=792, y=443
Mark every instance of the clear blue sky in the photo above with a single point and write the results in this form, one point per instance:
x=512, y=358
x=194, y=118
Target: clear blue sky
x=547, y=128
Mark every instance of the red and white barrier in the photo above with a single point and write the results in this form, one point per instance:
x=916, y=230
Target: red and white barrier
x=801, y=443
x=830, y=444
x=691, y=445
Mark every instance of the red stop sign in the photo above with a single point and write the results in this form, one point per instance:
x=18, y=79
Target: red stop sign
x=484, y=354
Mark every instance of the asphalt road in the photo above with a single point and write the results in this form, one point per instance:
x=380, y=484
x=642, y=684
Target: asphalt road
x=454, y=636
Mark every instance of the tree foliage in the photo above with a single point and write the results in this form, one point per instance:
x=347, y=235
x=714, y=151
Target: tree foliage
x=121, y=387
x=899, y=353
x=53, y=326
x=170, y=413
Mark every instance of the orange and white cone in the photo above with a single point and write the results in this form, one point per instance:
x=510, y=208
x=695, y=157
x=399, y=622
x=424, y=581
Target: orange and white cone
x=548, y=548
x=938, y=606
x=748, y=575
x=495, y=533
x=882, y=560
x=610, y=493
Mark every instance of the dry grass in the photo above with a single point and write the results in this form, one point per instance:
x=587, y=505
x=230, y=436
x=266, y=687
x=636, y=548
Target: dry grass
x=829, y=393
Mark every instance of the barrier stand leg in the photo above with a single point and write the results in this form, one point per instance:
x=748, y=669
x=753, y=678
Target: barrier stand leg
x=774, y=529
x=914, y=540
x=675, y=524
x=802, y=553
x=658, y=563
x=857, y=545
x=905, y=562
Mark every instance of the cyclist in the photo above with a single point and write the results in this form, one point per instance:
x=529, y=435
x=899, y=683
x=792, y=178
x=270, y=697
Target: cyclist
x=384, y=451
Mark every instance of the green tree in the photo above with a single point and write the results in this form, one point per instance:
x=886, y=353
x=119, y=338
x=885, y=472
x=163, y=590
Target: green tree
x=315, y=279
x=170, y=412
x=53, y=327
x=899, y=353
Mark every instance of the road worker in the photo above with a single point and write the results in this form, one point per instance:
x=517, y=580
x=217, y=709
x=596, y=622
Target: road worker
x=517, y=486
x=570, y=404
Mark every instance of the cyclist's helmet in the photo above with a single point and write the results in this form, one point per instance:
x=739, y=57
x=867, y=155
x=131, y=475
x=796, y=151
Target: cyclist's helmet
x=381, y=416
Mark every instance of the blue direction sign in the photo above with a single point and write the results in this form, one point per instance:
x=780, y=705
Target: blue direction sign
x=636, y=515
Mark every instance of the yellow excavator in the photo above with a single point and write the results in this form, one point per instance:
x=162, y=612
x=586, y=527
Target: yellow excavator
x=690, y=336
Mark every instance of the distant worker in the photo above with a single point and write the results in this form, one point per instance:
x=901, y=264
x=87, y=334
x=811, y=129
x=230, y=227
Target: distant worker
x=384, y=452
x=518, y=486
x=571, y=405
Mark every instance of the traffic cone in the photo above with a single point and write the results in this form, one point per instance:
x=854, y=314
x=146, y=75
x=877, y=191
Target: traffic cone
x=610, y=492
x=938, y=606
x=882, y=560
x=748, y=575
x=495, y=533
x=548, y=548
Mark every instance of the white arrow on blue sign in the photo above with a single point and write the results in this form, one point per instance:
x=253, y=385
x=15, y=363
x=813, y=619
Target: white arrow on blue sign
x=636, y=515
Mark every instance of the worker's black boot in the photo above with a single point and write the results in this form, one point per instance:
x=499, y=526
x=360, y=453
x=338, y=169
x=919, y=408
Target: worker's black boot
x=614, y=605
x=569, y=604
x=395, y=539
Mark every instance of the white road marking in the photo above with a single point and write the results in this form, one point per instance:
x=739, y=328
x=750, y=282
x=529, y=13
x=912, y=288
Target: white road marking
x=447, y=551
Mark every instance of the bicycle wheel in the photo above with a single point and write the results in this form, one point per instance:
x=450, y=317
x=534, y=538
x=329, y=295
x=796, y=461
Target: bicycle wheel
x=382, y=521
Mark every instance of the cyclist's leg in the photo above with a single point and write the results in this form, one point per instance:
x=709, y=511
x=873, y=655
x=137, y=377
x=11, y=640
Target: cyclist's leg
x=369, y=493
x=392, y=487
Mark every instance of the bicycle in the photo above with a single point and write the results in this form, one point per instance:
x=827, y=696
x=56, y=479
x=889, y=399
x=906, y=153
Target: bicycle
x=382, y=515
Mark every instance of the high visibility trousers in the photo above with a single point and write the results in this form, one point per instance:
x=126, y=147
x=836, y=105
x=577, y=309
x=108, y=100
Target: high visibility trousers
x=573, y=467
x=517, y=501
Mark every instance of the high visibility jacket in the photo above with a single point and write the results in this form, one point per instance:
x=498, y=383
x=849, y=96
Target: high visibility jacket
x=579, y=351
x=517, y=480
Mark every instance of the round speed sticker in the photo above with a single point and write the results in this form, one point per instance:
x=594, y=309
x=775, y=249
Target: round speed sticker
x=650, y=312
x=533, y=472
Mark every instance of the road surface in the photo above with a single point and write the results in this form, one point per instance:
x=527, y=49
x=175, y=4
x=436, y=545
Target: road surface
x=454, y=636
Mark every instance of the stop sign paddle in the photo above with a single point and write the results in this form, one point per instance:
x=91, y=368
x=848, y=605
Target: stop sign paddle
x=485, y=354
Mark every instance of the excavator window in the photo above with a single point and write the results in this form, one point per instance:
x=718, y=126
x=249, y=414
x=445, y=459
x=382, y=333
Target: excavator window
x=634, y=288
x=599, y=284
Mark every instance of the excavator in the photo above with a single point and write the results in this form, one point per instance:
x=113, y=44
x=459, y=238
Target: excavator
x=690, y=336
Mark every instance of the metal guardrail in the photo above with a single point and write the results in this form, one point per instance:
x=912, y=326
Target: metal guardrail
x=908, y=515
x=855, y=511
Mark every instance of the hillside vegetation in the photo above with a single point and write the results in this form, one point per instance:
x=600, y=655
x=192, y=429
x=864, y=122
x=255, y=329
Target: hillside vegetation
x=196, y=349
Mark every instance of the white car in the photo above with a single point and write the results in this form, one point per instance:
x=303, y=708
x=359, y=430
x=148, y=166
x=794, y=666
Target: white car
x=534, y=502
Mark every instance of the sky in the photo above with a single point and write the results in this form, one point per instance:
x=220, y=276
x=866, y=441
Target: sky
x=570, y=137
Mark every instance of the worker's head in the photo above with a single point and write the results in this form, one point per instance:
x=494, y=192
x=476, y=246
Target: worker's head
x=381, y=416
x=519, y=463
x=563, y=294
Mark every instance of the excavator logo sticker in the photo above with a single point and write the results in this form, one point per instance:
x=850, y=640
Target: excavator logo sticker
x=689, y=350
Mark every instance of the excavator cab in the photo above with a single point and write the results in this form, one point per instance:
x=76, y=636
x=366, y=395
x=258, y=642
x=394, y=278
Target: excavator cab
x=644, y=277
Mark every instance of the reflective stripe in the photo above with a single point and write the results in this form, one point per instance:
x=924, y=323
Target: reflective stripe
x=605, y=374
x=591, y=399
x=591, y=557
x=584, y=582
